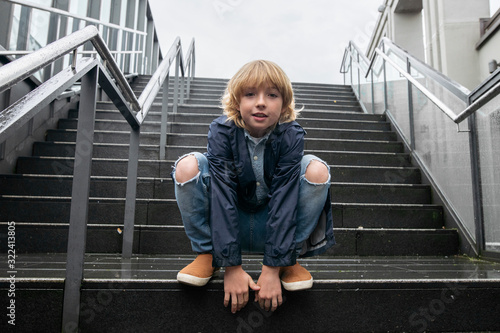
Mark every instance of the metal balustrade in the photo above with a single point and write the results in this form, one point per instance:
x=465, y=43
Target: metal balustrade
x=459, y=162
x=109, y=77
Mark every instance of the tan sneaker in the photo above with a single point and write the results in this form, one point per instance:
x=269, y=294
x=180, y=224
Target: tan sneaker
x=197, y=273
x=295, y=278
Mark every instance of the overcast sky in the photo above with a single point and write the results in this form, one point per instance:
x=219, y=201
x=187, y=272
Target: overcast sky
x=306, y=38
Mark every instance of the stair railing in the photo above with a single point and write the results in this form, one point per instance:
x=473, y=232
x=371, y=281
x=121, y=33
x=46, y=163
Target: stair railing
x=125, y=55
x=91, y=72
x=413, y=95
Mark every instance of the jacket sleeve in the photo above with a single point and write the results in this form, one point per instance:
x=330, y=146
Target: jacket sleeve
x=284, y=193
x=223, y=207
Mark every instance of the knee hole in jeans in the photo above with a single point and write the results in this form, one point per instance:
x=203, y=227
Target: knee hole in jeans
x=186, y=169
x=317, y=172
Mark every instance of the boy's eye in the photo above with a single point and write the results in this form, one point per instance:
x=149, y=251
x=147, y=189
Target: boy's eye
x=273, y=95
x=249, y=94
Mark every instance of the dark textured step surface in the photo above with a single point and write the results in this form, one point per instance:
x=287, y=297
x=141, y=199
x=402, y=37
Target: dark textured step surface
x=105, y=237
x=399, y=172
x=390, y=294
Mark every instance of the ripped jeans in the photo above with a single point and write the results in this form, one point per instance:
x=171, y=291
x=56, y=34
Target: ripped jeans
x=194, y=204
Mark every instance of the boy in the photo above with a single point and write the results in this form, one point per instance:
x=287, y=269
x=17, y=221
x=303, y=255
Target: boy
x=254, y=191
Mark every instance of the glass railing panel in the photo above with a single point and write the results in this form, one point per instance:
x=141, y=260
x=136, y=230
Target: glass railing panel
x=488, y=133
x=14, y=29
x=378, y=86
x=355, y=78
x=397, y=98
x=365, y=91
x=443, y=150
x=348, y=70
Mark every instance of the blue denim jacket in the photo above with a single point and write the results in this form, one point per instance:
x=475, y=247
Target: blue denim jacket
x=233, y=185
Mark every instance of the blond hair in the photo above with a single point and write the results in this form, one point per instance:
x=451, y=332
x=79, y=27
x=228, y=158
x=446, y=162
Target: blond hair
x=255, y=74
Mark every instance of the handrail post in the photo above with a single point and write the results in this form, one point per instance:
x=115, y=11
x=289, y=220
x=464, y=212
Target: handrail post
x=183, y=82
x=176, y=83
x=79, y=202
x=410, y=107
x=359, y=75
x=373, y=92
x=128, y=224
x=385, y=81
x=189, y=77
x=164, y=117
x=350, y=65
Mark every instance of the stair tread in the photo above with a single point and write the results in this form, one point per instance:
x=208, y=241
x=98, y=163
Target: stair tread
x=148, y=269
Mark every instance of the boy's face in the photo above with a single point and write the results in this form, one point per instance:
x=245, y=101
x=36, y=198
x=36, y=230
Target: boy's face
x=260, y=108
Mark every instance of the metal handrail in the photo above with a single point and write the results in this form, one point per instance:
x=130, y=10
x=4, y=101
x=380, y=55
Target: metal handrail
x=452, y=86
x=475, y=100
x=149, y=93
x=119, y=91
x=24, y=67
x=75, y=16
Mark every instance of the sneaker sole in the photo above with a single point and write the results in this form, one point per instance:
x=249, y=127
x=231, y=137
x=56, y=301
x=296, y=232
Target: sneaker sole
x=191, y=280
x=299, y=285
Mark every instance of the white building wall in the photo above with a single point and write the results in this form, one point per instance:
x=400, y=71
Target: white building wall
x=452, y=31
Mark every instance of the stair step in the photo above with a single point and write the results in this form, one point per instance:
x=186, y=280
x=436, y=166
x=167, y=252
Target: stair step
x=112, y=136
x=202, y=128
x=151, y=211
x=118, y=293
x=106, y=237
x=163, y=188
x=162, y=169
x=121, y=151
x=117, y=137
x=306, y=117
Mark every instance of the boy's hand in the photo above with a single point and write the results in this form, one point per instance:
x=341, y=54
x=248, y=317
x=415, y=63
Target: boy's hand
x=269, y=296
x=236, y=284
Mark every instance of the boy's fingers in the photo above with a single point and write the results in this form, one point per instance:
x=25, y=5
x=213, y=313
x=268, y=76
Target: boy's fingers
x=245, y=299
x=252, y=284
x=268, y=305
x=234, y=303
x=274, y=305
x=241, y=301
x=226, y=299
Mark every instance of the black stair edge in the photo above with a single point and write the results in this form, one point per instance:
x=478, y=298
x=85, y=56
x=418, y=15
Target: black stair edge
x=117, y=306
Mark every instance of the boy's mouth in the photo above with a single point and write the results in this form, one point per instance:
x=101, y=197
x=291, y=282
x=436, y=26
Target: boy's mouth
x=259, y=115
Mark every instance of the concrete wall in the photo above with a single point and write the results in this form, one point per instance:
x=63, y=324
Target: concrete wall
x=489, y=51
x=451, y=33
x=401, y=22
x=442, y=33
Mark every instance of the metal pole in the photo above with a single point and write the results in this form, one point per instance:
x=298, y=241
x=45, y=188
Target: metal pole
x=373, y=92
x=476, y=184
x=359, y=77
x=164, y=116
x=350, y=72
x=189, y=76
x=176, y=84
x=385, y=80
x=128, y=224
x=79, y=202
x=410, y=108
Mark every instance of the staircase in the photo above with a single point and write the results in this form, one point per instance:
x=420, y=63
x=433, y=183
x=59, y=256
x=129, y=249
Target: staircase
x=394, y=267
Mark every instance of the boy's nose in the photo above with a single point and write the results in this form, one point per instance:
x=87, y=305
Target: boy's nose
x=261, y=100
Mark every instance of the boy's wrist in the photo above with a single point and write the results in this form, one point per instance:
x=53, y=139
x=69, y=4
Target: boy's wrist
x=232, y=268
x=270, y=269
